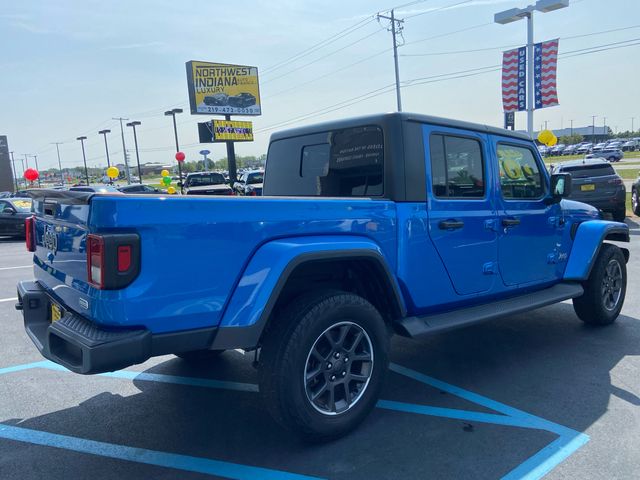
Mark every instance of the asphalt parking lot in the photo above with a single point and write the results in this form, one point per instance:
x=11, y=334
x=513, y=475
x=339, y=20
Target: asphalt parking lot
x=533, y=394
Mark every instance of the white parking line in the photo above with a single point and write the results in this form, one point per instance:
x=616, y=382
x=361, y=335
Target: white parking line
x=13, y=299
x=13, y=268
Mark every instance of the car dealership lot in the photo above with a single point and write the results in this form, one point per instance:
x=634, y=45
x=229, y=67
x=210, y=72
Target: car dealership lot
x=530, y=394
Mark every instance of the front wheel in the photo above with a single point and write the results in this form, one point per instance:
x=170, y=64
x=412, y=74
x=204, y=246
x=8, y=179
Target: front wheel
x=323, y=364
x=605, y=289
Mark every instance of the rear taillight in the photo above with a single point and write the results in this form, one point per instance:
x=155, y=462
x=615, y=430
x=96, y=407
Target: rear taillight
x=253, y=193
x=113, y=260
x=95, y=260
x=616, y=181
x=30, y=233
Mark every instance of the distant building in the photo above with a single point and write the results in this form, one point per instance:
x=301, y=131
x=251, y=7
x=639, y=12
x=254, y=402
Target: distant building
x=151, y=168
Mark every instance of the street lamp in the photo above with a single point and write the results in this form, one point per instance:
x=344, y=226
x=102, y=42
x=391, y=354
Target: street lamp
x=84, y=158
x=172, y=113
x=15, y=172
x=515, y=14
x=135, y=140
x=106, y=147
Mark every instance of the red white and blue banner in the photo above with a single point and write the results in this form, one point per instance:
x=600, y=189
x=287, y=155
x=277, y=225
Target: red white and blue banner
x=545, y=64
x=514, y=80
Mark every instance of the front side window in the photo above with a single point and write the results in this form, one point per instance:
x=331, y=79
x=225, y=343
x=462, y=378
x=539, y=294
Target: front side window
x=457, y=167
x=520, y=177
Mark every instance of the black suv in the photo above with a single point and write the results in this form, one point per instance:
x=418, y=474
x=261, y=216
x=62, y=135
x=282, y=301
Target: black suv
x=594, y=181
x=242, y=100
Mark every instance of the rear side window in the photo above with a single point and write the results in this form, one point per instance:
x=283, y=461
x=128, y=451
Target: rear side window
x=339, y=163
x=520, y=177
x=597, y=170
x=457, y=167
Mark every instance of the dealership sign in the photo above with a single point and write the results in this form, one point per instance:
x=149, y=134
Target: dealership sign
x=218, y=88
x=225, y=131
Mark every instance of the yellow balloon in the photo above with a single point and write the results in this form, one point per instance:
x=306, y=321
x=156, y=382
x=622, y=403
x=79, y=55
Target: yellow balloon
x=171, y=190
x=511, y=169
x=552, y=141
x=164, y=173
x=544, y=136
x=113, y=172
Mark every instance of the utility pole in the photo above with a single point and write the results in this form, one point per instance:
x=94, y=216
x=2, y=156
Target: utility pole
x=395, y=27
x=604, y=126
x=15, y=172
x=571, y=127
x=545, y=124
x=632, y=120
x=124, y=150
x=57, y=144
x=84, y=158
x=593, y=128
x=26, y=160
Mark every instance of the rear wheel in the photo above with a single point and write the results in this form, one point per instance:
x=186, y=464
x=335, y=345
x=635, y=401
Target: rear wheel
x=635, y=202
x=620, y=214
x=605, y=289
x=323, y=364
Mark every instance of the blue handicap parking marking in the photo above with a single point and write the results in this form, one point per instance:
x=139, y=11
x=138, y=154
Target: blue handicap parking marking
x=535, y=467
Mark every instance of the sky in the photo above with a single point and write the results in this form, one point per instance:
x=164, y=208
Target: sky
x=69, y=67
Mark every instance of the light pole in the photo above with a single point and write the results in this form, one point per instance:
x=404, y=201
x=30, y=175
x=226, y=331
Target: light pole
x=172, y=113
x=57, y=144
x=135, y=141
x=106, y=147
x=632, y=120
x=604, y=126
x=571, y=127
x=515, y=14
x=593, y=128
x=84, y=158
x=124, y=150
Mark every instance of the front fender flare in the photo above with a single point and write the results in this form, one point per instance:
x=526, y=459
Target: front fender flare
x=586, y=245
x=266, y=274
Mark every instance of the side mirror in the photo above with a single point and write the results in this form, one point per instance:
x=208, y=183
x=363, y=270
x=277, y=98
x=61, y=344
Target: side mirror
x=560, y=186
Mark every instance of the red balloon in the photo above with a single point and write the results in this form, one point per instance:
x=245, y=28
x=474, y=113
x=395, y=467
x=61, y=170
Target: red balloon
x=31, y=174
x=180, y=156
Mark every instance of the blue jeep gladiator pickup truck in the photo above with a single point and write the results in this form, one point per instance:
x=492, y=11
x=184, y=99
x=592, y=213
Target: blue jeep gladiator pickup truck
x=384, y=224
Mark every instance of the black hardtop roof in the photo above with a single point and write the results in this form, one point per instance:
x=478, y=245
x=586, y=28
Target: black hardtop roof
x=383, y=118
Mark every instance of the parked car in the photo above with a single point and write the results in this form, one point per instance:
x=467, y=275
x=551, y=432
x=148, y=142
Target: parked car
x=570, y=150
x=609, y=154
x=140, y=189
x=13, y=213
x=250, y=183
x=558, y=149
x=635, y=196
x=595, y=182
x=630, y=146
x=359, y=235
x=242, y=100
x=585, y=149
x=206, y=183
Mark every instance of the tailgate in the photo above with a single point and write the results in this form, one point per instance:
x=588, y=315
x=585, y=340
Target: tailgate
x=60, y=263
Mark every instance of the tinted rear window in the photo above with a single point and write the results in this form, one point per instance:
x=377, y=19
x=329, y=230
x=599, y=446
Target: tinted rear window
x=339, y=163
x=580, y=171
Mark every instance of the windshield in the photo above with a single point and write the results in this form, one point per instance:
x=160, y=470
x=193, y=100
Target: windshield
x=257, y=177
x=204, y=180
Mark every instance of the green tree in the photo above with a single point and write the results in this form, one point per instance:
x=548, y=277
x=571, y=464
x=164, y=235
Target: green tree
x=571, y=139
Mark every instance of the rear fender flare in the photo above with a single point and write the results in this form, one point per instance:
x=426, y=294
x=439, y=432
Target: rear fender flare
x=588, y=239
x=255, y=295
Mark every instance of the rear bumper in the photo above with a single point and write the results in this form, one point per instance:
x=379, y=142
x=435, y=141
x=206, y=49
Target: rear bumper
x=81, y=346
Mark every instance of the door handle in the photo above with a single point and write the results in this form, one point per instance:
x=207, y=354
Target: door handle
x=450, y=224
x=510, y=222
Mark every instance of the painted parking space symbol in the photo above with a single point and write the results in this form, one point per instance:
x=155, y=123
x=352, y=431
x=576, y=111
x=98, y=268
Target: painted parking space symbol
x=567, y=441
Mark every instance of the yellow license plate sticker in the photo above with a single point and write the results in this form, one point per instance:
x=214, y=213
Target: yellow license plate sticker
x=56, y=313
x=589, y=187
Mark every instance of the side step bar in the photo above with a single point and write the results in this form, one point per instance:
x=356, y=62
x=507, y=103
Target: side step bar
x=440, y=322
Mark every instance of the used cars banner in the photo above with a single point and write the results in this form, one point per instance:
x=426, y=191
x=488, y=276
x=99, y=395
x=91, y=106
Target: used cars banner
x=224, y=89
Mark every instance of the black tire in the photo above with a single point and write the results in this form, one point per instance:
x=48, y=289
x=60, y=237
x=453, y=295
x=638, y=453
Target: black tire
x=199, y=356
x=605, y=289
x=619, y=215
x=635, y=202
x=299, y=341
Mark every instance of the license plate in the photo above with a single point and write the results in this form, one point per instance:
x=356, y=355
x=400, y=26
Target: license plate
x=56, y=313
x=589, y=187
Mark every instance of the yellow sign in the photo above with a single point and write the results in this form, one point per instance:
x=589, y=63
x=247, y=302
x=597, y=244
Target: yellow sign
x=229, y=130
x=224, y=89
